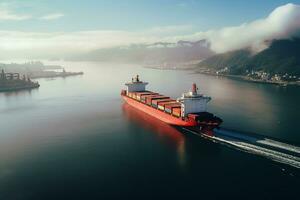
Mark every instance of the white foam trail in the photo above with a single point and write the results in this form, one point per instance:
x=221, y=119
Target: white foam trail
x=268, y=153
x=247, y=143
x=264, y=141
x=280, y=145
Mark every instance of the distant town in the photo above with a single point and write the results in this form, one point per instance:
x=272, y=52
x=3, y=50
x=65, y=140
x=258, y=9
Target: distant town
x=256, y=76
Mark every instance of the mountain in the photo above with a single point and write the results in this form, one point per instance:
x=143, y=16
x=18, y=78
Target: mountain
x=282, y=56
x=156, y=53
x=234, y=60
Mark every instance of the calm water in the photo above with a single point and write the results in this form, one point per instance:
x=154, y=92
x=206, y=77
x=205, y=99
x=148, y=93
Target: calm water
x=74, y=138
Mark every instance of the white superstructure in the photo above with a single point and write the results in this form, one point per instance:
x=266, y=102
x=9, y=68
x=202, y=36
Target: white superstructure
x=136, y=85
x=192, y=102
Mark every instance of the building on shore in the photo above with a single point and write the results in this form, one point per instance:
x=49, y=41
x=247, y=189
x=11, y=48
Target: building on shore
x=9, y=76
x=13, y=81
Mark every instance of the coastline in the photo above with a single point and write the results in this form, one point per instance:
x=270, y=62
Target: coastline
x=55, y=75
x=248, y=79
x=17, y=88
x=236, y=77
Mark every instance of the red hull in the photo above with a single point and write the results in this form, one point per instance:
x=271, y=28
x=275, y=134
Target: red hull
x=167, y=118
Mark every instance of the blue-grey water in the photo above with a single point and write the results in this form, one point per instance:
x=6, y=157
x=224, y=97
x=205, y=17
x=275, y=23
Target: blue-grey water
x=74, y=138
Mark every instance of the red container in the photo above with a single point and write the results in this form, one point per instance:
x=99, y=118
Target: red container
x=161, y=105
x=158, y=98
x=173, y=105
x=143, y=96
x=139, y=94
x=149, y=98
x=176, y=112
x=156, y=101
x=166, y=102
x=169, y=107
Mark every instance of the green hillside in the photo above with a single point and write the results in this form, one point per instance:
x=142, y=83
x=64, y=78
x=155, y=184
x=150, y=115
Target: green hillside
x=283, y=56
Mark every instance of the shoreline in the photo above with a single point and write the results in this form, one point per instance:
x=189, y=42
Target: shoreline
x=55, y=75
x=236, y=77
x=186, y=68
x=247, y=79
x=18, y=88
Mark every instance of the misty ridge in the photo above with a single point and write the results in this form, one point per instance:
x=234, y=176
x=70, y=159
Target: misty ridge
x=156, y=53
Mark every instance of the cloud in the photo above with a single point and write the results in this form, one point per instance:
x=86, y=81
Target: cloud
x=282, y=23
x=43, y=44
x=15, y=44
x=8, y=15
x=52, y=16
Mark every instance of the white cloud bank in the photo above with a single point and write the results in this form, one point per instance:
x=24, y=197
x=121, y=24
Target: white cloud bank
x=283, y=22
x=37, y=45
x=52, y=16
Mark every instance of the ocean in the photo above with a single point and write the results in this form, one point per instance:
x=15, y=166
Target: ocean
x=75, y=138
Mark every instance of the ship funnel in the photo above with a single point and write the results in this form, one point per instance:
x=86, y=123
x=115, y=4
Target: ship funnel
x=136, y=79
x=194, y=88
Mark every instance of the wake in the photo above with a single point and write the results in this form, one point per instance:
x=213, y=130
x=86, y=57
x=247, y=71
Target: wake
x=269, y=148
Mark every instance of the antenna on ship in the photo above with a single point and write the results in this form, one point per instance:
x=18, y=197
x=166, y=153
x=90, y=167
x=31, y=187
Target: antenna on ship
x=194, y=88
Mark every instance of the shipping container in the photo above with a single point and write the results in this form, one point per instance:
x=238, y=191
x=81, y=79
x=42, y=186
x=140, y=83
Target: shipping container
x=161, y=105
x=156, y=101
x=169, y=107
x=158, y=97
x=134, y=95
x=139, y=94
x=173, y=105
x=146, y=95
x=149, y=98
x=168, y=110
x=176, y=112
x=167, y=102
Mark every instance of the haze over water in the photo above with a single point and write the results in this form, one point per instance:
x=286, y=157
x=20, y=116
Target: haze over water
x=74, y=138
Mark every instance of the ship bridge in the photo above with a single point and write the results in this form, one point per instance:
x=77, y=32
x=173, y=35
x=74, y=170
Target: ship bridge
x=192, y=102
x=136, y=85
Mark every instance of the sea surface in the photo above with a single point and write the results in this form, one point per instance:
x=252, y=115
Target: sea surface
x=74, y=138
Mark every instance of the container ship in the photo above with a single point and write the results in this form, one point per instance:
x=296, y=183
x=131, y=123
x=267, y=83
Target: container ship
x=187, y=111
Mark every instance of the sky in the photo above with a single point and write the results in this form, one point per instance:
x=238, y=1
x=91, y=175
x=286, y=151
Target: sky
x=52, y=24
x=132, y=15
